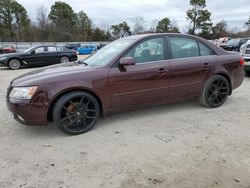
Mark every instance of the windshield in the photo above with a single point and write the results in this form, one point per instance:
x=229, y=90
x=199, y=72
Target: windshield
x=26, y=51
x=233, y=42
x=106, y=54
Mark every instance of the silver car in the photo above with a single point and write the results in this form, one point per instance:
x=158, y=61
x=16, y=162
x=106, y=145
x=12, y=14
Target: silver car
x=245, y=52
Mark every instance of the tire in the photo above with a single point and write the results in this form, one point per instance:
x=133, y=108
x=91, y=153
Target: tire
x=215, y=92
x=14, y=64
x=76, y=112
x=64, y=59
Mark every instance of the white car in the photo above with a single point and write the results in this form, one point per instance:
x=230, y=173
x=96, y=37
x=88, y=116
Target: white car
x=245, y=52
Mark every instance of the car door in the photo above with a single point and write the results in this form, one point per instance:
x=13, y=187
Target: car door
x=145, y=82
x=36, y=57
x=189, y=66
x=52, y=55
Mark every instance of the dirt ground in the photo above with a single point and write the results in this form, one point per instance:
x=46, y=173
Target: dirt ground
x=177, y=145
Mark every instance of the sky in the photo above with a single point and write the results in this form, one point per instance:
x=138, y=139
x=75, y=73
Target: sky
x=107, y=12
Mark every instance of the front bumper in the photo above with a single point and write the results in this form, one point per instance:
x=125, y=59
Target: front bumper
x=27, y=112
x=3, y=63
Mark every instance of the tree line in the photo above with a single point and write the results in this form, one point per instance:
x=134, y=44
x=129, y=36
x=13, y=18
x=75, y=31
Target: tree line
x=62, y=23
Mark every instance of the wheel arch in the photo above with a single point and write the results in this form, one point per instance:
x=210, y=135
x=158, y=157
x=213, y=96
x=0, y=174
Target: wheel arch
x=65, y=55
x=52, y=104
x=14, y=58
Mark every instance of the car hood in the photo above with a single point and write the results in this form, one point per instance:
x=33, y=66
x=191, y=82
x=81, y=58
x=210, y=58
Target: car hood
x=48, y=73
x=10, y=55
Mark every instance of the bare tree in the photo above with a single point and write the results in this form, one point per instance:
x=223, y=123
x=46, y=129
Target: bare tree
x=42, y=17
x=153, y=25
x=139, y=25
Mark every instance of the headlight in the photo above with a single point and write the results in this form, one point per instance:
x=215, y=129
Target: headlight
x=2, y=58
x=23, y=92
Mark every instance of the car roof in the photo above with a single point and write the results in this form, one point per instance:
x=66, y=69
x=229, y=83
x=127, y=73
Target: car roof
x=215, y=48
x=157, y=34
x=45, y=46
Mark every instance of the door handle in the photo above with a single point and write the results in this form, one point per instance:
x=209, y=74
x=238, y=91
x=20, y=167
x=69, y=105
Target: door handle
x=206, y=65
x=162, y=71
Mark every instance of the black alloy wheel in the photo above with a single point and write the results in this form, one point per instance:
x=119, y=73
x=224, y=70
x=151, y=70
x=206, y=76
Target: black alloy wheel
x=76, y=112
x=215, y=92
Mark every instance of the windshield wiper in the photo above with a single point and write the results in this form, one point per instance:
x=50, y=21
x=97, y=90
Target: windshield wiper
x=81, y=62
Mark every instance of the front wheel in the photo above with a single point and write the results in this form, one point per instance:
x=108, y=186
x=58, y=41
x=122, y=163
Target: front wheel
x=215, y=92
x=14, y=64
x=76, y=112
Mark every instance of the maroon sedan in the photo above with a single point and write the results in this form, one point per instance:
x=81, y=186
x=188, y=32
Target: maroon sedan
x=127, y=74
x=7, y=49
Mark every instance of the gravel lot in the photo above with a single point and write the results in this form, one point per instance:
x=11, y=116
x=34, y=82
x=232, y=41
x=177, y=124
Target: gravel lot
x=177, y=145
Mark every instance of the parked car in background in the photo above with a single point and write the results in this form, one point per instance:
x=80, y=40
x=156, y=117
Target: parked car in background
x=7, y=49
x=234, y=44
x=222, y=40
x=38, y=56
x=245, y=52
x=100, y=46
x=73, y=46
x=87, y=49
x=129, y=73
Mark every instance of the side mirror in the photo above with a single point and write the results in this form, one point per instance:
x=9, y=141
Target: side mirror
x=127, y=61
x=32, y=52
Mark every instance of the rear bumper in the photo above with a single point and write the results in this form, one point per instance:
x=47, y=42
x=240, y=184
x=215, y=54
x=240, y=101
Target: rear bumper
x=26, y=112
x=246, y=58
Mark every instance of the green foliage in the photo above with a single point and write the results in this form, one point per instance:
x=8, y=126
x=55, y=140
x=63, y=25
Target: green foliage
x=165, y=26
x=63, y=24
x=99, y=35
x=83, y=22
x=247, y=23
x=199, y=17
x=14, y=21
x=220, y=30
x=62, y=15
x=83, y=26
x=121, y=30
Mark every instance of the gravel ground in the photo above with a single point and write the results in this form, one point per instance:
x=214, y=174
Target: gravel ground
x=177, y=145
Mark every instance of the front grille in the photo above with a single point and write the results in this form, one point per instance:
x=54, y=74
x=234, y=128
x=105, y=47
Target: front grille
x=247, y=52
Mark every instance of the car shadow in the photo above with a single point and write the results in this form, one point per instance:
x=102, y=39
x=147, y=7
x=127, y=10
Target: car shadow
x=149, y=111
x=52, y=131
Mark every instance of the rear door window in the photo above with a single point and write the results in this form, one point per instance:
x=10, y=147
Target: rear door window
x=183, y=47
x=51, y=49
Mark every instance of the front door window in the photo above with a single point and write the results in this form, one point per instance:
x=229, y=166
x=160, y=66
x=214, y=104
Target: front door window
x=148, y=51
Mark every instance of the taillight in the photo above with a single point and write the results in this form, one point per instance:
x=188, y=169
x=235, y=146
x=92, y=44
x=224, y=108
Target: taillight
x=242, y=62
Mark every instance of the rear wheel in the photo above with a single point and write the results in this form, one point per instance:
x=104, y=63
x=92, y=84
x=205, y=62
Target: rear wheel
x=76, y=112
x=14, y=64
x=64, y=59
x=215, y=92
